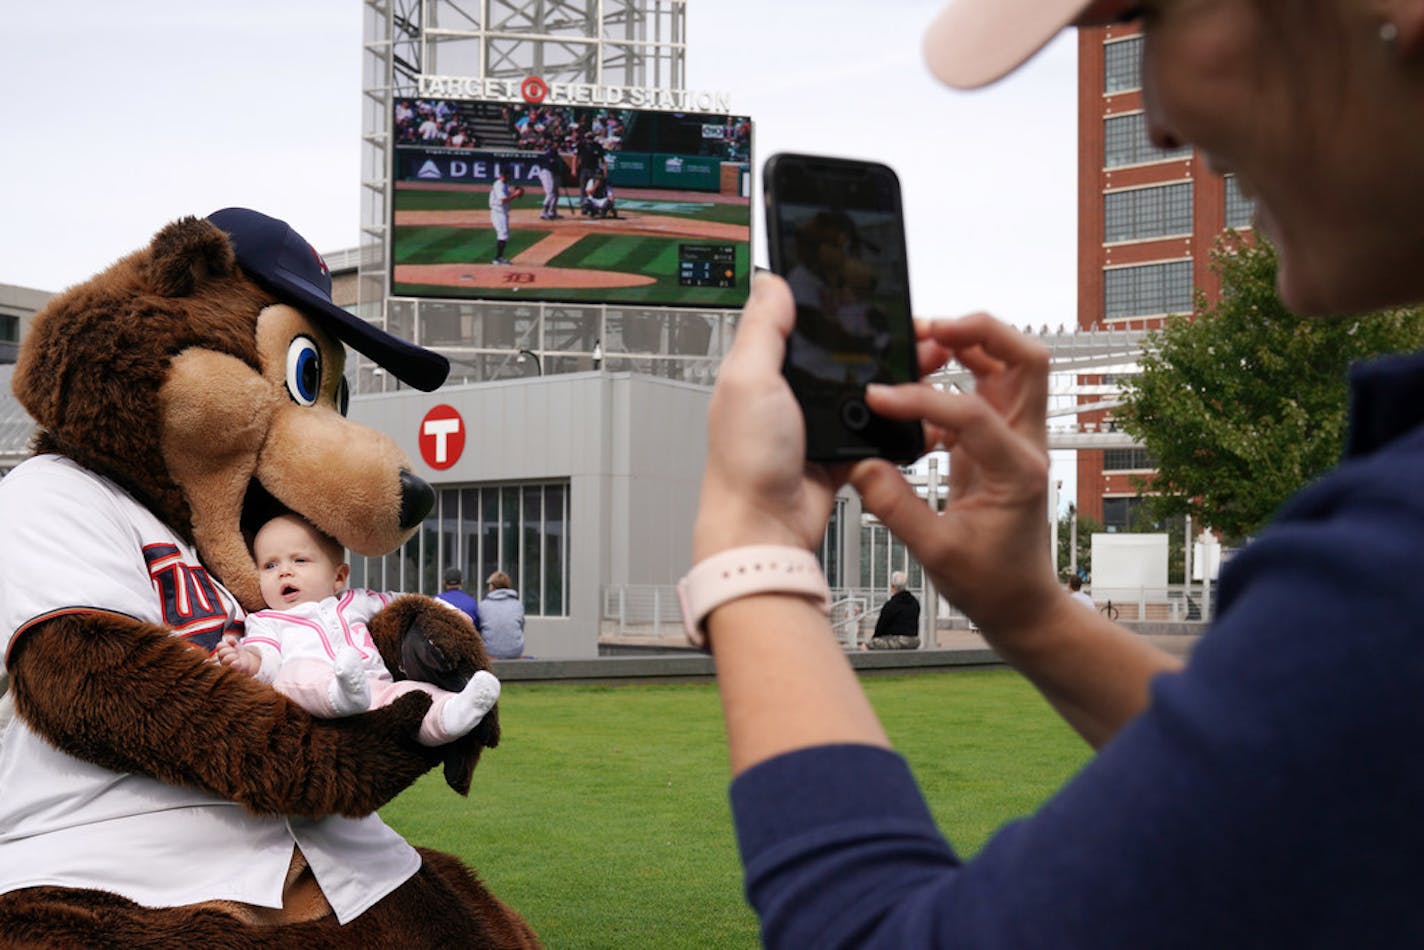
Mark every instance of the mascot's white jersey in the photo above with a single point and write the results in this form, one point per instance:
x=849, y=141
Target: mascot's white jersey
x=74, y=541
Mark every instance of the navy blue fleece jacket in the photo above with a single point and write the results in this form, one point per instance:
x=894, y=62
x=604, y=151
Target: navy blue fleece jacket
x=1271, y=795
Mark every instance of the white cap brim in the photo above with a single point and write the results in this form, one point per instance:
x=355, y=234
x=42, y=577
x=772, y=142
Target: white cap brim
x=972, y=43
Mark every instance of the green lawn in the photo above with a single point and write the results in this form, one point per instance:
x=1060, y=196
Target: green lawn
x=602, y=817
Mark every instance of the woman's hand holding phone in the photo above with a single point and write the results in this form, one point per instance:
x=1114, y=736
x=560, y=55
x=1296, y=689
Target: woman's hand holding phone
x=988, y=552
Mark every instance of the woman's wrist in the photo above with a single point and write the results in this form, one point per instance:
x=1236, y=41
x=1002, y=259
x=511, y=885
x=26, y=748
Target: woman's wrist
x=740, y=572
x=714, y=542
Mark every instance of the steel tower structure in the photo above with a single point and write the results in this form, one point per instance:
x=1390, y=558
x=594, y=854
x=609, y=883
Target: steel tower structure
x=615, y=42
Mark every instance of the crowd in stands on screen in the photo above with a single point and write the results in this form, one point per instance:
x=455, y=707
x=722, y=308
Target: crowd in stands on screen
x=436, y=123
x=534, y=126
x=606, y=130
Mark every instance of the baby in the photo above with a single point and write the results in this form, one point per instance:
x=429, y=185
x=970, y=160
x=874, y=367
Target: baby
x=313, y=646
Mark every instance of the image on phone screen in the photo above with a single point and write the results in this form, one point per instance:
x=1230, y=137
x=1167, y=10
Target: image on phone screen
x=836, y=234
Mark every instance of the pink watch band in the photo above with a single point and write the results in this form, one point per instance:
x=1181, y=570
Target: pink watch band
x=741, y=572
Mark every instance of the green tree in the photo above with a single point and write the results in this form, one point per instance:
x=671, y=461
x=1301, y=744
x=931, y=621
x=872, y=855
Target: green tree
x=1246, y=402
x=1145, y=520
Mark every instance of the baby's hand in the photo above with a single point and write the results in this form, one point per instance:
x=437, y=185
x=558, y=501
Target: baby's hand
x=242, y=659
x=226, y=650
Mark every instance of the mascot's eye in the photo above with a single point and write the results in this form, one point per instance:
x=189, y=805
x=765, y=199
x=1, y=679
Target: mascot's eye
x=343, y=396
x=303, y=371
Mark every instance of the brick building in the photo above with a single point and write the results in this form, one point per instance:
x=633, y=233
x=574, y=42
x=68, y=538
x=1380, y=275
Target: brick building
x=1147, y=221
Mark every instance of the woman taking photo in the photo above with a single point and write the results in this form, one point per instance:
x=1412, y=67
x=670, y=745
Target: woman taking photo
x=1266, y=794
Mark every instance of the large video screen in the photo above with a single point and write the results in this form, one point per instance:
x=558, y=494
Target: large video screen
x=637, y=207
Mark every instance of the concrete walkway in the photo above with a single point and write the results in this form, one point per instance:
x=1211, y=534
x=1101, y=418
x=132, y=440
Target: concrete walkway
x=1177, y=644
x=671, y=658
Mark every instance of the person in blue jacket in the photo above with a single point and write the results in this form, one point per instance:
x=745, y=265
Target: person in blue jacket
x=1269, y=792
x=454, y=595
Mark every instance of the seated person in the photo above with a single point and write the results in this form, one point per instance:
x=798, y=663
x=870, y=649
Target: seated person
x=898, y=627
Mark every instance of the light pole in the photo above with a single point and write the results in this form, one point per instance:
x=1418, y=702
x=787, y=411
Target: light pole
x=538, y=367
x=1054, y=487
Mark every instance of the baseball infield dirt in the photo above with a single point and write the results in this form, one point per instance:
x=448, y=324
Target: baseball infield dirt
x=494, y=276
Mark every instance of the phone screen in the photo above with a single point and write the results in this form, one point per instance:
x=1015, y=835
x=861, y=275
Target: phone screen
x=836, y=234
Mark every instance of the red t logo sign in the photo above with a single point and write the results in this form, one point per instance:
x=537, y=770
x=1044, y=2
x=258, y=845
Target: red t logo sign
x=442, y=437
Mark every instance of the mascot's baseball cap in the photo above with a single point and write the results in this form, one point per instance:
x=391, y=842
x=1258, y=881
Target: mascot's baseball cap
x=282, y=261
x=974, y=42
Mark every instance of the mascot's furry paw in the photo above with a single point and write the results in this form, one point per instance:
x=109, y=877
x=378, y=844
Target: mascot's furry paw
x=422, y=639
x=421, y=659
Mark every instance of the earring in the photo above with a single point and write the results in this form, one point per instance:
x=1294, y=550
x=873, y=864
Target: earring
x=1388, y=33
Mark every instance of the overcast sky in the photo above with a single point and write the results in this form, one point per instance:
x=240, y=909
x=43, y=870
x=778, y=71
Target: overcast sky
x=120, y=117
x=989, y=177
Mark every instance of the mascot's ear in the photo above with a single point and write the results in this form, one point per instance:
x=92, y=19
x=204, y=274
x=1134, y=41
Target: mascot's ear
x=186, y=254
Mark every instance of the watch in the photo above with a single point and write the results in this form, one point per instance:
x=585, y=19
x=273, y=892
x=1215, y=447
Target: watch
x=741, y=572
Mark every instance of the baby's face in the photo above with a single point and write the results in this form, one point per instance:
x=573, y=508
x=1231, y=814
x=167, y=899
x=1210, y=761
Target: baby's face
x=293, y=566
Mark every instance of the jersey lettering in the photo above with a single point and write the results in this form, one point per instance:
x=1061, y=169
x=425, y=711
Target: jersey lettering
x=191, y=603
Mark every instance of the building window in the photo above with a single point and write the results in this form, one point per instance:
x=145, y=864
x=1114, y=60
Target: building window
x=1142, y=213
x=520, y=529
x=882, y=554
x=1122, y=65
x=9, y=328
x=1119, y=513
x=1125, y=142
x=1239, y=208
x=1127, y=460
x=1147, y=290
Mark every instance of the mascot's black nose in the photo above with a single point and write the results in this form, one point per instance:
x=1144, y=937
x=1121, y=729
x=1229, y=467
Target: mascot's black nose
x=417, y=500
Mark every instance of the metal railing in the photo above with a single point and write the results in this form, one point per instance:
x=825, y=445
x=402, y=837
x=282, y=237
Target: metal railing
x=641, y=610
x=650, y=611
x=1174, y=603
x=848, y=616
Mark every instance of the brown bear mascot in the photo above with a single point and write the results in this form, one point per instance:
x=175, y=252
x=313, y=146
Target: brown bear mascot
x=148, y=795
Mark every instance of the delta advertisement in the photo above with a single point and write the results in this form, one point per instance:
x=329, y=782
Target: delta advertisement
x=625, y=169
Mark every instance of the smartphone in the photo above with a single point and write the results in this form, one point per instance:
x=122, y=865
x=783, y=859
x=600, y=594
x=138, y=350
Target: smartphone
x=835, y=232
